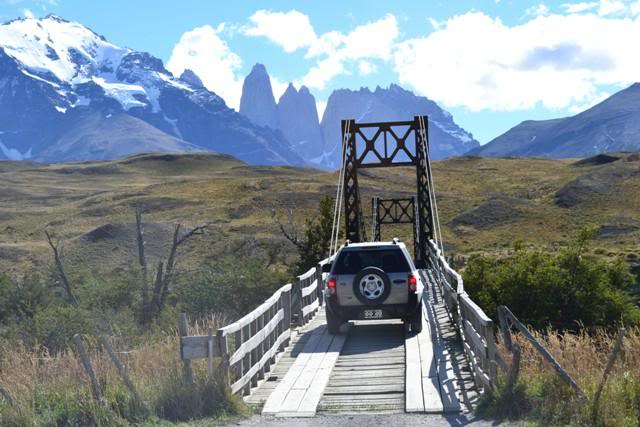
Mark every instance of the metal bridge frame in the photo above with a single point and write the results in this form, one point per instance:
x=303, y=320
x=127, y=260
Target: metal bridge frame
x=390, y=145
x=395, y=211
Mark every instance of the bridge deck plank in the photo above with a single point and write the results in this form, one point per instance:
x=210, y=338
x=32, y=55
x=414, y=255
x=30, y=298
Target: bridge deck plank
x=299, y=392
x=369, y=373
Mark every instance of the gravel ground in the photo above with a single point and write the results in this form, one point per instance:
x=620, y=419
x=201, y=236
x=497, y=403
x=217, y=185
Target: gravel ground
x=389, y=420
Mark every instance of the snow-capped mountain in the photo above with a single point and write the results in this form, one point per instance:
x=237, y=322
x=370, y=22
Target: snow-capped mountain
x=57, y=77
x=446, y=138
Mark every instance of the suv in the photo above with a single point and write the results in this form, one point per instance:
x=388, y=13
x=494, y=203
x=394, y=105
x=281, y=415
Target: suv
x=374, y=280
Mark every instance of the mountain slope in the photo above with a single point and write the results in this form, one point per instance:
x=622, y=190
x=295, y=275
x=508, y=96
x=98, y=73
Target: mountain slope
x=52, y=69
x=612, y=125
x=95, y=136
x=395, y=103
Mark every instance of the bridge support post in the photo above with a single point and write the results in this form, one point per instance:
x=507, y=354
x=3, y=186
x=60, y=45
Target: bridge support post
x=352, y=208
x=423, y=175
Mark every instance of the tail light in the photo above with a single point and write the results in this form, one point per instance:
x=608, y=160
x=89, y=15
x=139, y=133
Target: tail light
x=413, y=282
x=331, y=285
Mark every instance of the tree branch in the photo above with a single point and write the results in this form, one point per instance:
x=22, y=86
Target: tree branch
x=60, y=267
x=291, y=235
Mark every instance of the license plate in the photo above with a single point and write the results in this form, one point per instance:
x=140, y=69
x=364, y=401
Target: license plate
x=373, y=314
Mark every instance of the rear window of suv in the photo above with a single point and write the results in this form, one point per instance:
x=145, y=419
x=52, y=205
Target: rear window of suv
x=389, y=260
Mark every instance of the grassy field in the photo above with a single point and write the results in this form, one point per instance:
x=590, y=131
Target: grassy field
x=485, y=204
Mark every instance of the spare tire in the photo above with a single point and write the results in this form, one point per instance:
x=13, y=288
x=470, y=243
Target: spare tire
x=371, y=286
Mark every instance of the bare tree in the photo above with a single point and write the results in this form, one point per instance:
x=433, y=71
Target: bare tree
x=154, y=295
x=289, y=229
x=57, y=255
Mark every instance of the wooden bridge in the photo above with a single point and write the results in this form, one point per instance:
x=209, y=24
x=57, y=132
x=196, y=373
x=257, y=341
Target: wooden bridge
x=281, y=356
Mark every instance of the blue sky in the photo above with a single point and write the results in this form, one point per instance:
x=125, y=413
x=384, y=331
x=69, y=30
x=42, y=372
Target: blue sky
x=491, y=63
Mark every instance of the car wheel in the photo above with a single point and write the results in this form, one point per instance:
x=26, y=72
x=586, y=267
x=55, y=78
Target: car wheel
x=371, y=286
x=416, y=321
x=333, y=323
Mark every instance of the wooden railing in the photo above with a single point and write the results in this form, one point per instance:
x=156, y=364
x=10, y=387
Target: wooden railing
x=307, y=291
x=475, y=328
x=246, y=349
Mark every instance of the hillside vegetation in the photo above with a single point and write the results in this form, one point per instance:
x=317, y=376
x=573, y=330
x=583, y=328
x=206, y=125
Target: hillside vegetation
x=485, y=204
x=487, y=207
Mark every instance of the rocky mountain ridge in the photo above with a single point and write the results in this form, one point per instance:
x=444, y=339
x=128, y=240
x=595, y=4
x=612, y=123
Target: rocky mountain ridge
x=58, y=76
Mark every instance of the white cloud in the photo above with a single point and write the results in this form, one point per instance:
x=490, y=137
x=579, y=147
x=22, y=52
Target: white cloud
x=558, y=61
x=27, y=13
x=540, y=9
x=336, y=51
x=611, y=7
x=290, y=30
x=365, y=68
x=435, y=23
x=579, y=7
x=205, y=53
x=605, y=7
x=278, y=87
x=590, y=102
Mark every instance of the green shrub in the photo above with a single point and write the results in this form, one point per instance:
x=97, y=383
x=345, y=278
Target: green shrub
x=71, y=408
x=230, y=285
x=562, y=289
x=55, y=326
x=114, y=291
x=22, y=299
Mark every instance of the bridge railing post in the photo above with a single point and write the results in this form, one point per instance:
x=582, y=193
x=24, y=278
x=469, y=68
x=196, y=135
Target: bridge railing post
x=286, y=305
x=223, y=343
x=320, y=286
x=298, y=303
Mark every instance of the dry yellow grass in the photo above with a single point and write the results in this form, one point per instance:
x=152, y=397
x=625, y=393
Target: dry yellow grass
x=543, y=398
x=41, y=385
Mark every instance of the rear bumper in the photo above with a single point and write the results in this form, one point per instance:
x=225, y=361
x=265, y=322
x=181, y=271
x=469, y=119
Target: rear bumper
x=389, y=311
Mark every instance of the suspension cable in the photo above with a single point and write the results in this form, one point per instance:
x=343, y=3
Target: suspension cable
x=335, y=228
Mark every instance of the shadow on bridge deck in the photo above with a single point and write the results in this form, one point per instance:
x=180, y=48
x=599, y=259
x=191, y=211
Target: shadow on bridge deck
x=369, y=373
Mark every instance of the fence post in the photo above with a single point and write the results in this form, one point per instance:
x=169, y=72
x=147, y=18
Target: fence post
x=246, y=362
x=320, y=286
x=614, y=355
x=183, y=329
x=491, y=350
x=210, y=353
x=122, y=370
x=300, y=303
x=504, y=326
x=286, y=303
x=86, y=363
x=223, y=343
x=514, y=369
